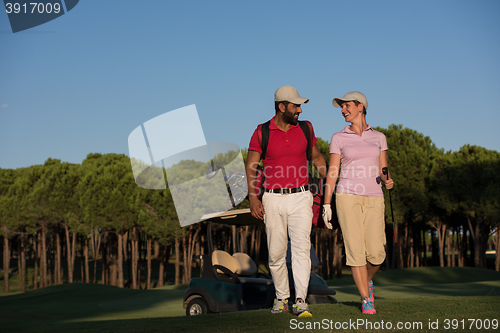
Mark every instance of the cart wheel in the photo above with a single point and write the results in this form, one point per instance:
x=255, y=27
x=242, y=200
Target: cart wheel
x=197, y=306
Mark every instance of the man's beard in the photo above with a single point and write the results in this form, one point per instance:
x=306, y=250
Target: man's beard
x=290, y=117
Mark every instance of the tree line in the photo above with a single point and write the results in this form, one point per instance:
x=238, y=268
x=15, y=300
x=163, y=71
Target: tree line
x=51, y=214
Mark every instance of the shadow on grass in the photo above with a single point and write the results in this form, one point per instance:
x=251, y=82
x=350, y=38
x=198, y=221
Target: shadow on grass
x=435, y=275
x=423, y=282
x=169, y=273
x=92, y=307
x=88, y=302
x=423, y=311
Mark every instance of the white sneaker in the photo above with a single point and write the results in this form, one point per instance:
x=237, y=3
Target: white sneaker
x=301, y=310
x=280, y=306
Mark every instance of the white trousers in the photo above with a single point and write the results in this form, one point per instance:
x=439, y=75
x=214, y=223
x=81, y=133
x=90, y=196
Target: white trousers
x=289, y=215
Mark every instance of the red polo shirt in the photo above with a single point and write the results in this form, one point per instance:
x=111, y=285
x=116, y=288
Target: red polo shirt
x=285, y=164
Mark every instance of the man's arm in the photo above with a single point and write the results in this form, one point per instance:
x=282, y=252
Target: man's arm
x=256, y=207
x=332, y=176
x=319, y=161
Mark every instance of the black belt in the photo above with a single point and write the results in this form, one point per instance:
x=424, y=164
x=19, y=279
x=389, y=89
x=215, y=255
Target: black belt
x=285, y=190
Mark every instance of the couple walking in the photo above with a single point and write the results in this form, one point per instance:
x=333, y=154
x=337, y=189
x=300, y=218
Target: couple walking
x=286, y=205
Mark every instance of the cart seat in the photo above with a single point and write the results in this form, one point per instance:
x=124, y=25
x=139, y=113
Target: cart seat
x=223, y=258
x=248, y=266
x=241, y=265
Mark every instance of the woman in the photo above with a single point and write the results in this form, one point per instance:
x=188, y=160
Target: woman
x=362, y=152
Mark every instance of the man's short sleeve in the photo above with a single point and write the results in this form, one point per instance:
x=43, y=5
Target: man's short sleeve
x=254, y=142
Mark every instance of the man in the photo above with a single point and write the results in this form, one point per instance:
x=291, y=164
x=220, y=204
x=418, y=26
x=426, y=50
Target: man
x=286, y=206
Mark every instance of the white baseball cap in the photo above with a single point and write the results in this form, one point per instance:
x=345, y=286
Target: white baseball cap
x=351, y=96
x=289, y=94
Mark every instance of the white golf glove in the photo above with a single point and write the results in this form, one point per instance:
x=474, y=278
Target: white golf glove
x=327, y=216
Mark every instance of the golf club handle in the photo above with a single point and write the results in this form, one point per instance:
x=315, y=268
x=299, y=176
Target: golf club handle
x=385, y=172
x=234, y=171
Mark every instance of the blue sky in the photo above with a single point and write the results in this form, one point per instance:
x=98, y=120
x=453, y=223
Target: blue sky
x=83, y=82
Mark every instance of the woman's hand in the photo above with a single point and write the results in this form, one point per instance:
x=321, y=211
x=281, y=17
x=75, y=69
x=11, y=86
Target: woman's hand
x=327, y=215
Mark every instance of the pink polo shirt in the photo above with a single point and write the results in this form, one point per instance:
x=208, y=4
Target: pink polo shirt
x=285, y=164
x=359, y=159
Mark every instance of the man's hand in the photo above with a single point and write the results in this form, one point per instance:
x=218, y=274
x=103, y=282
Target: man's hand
x=251, y=167
x=327, y=216
x=257, y=209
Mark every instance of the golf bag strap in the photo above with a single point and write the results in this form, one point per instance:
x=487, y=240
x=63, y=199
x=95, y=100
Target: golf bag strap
x=263, y=132
x=306, y=128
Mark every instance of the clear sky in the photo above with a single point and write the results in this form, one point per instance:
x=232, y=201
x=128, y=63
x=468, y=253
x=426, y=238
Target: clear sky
x=83, y=82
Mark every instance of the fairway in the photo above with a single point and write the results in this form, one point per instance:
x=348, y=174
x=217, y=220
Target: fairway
x=423, y=282
x=416, y=295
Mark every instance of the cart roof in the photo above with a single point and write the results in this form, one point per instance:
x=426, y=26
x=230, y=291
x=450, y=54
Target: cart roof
x=233, y=217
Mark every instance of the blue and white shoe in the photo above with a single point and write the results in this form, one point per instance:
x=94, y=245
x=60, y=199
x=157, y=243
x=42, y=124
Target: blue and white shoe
x=370, y=291
x=367, y=306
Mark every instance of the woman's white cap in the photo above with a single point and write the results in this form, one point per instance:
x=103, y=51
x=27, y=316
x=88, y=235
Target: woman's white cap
x=351, y=96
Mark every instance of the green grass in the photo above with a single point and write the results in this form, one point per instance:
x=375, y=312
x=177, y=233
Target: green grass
x=424, y=281
x=436, y=275
x=14, y=286
x=406, y=295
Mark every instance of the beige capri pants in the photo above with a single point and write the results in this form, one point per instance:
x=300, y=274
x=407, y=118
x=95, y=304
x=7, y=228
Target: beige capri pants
x=362, y=220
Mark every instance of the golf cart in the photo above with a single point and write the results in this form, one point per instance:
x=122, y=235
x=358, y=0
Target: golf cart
x=232, y=283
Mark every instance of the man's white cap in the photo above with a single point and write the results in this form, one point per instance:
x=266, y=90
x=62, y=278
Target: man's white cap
x=351, y=96
x=289, y=94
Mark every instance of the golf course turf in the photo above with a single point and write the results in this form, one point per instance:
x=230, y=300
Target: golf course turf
x=429, y=299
